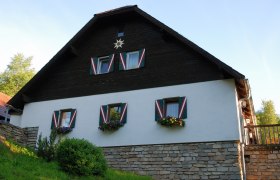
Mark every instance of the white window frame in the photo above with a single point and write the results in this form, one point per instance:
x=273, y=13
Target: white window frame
x=99, y=63
x=127, y=59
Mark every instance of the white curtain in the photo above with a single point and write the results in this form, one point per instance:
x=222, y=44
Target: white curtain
x=172, y=109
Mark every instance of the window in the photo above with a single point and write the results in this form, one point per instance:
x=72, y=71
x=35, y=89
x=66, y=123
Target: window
x=115, y=113
x=132, y=60
x=172, y=107
x=120, y=34
x=112, y=116
x=103, y=65
x=64, y=118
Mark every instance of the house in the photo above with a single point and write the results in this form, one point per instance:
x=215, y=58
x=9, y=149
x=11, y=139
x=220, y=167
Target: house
x=127, y=71
x=4, y=98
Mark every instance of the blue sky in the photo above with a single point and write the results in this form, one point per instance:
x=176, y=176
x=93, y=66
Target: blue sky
x=243, y=34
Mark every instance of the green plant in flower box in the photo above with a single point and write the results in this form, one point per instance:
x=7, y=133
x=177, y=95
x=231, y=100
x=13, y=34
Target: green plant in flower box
x=172, y=121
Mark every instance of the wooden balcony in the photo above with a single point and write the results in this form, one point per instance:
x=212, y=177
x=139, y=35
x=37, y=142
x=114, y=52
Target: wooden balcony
x=260, y=135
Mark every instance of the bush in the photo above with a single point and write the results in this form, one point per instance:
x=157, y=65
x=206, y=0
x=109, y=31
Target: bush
x=46, y=148
x=80, y=157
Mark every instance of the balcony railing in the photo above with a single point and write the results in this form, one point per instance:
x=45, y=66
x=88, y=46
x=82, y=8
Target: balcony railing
x=262, y=134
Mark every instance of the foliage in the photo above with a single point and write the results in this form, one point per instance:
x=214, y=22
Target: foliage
x=114, y=115
x=80, y=157
x=111, y=126
x=16, y=75
x=15, y=148
x=267, y=115
x=47, y=148
x=20, y=166
x=171, y=121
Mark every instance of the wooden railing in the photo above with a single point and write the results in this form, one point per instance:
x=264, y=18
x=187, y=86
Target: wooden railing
x=262, y=134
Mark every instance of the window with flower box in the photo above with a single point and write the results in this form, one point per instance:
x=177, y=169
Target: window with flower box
x=112, y=116
x=132, y=60
x=102, y=65
x=63, y=121
x=171, y=111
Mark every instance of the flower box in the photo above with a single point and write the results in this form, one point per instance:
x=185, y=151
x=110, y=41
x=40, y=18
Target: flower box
x=110, y=126
x=63, y=130
x=171, y=122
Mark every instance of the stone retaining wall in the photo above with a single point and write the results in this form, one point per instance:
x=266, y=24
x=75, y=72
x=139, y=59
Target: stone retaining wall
x=23, y=136
x=262, y=162
x=211, y=160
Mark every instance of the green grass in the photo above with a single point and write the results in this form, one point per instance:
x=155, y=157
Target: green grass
x=22, y=165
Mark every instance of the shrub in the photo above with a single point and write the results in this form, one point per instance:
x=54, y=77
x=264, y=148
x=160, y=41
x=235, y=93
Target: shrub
x=80, y=157
x=46, y=148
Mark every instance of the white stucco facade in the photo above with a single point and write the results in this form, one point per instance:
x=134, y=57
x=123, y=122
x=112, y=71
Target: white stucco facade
x=212, y=111
x=15, y=120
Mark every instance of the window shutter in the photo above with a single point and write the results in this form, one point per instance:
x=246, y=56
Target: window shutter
x=182, y=107
x=122, y=62
x=123, y=113
x=55, y=119
x=103, y=115
x=93, y=66
x=141, y=61
x=159, y=109
x=111, y=63
x=73, y=118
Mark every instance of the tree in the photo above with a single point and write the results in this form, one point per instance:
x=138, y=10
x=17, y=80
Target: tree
x=267, y=114
x=16, y=75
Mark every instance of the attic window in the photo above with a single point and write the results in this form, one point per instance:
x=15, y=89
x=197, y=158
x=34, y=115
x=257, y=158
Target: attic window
x=120, y=34
x=103, y=65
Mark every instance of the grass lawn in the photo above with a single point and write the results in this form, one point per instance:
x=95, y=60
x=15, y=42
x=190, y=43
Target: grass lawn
x=24, y=165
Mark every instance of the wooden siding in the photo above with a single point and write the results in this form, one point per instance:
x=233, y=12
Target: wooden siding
x=168, y=62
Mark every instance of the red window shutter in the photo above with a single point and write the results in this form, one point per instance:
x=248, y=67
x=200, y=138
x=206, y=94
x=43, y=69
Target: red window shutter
x=73, y=118
x=123, y=118
x=182, y=107
x=93, y=65
x=159, y=109
x=111, y=63
x=103, y=117
x=122, y=62
x=55, y=119
x=141, y=61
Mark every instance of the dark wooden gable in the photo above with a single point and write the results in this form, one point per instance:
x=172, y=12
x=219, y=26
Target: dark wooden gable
x=169, y=60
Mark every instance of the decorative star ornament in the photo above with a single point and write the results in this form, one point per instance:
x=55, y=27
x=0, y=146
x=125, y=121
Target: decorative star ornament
x=119, y=43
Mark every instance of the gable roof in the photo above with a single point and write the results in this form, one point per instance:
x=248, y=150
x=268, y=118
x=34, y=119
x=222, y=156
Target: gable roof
x=18, y=100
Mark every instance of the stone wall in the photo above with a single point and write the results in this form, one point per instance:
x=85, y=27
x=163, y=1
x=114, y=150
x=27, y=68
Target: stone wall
x=262, y=162
x=211, y=160
x=24, y=136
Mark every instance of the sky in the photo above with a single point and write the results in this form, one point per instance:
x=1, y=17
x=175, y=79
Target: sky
x=243, y=34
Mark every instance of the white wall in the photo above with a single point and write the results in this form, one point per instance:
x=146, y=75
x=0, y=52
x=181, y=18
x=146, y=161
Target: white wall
x=15, y=120
x=211, y=107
